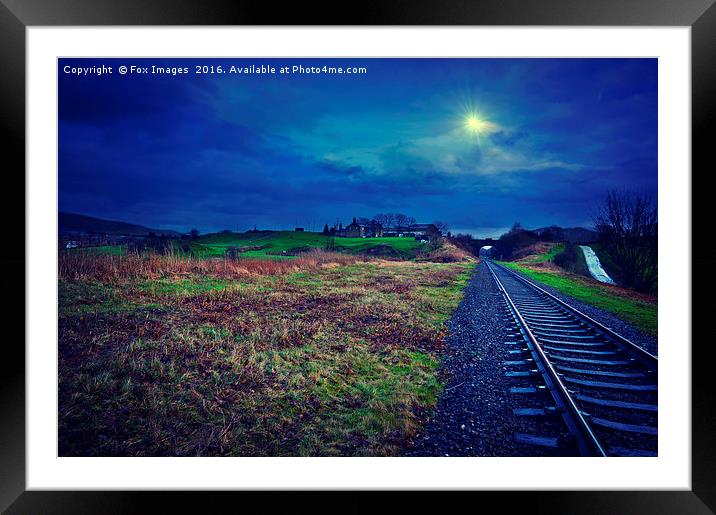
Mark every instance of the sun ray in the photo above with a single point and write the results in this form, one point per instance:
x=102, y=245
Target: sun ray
x=477, y=125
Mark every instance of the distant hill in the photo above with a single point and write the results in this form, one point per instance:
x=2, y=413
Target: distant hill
x=74, y=223
x=568, y=234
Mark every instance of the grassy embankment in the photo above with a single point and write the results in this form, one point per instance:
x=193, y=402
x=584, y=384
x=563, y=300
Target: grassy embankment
x=638, y=309
x=545, y=254
x=325, y=354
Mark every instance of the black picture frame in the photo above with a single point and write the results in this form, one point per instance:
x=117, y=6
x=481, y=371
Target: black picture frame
x=17, y=15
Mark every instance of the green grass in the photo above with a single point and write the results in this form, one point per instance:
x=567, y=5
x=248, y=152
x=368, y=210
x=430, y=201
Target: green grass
x=436, y=303
x=275, y=243
x=185, y=287
x=95, y=298
x=110, y=250
x=641, y=313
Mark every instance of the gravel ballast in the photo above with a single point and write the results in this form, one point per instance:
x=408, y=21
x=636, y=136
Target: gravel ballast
x=474, y=416
x=645, y=341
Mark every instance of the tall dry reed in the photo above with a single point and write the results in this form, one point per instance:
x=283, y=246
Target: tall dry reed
x=75, y=265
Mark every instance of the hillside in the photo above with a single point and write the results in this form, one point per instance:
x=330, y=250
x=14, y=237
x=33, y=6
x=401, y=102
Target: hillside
x=288, y=243
x=75, y=223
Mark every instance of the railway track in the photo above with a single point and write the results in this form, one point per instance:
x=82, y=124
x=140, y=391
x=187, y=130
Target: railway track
x=583, y=388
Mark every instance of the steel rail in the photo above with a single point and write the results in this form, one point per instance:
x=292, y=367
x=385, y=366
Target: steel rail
x=645, y=357
x=586, y=440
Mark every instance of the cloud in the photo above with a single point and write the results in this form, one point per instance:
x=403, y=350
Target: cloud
x=506, y=138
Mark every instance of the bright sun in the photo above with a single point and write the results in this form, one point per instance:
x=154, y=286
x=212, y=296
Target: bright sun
x=473, y=123
x=478, y=126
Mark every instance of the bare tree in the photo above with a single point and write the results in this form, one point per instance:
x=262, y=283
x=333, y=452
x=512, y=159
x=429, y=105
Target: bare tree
x=194, y=233
x=443, y=227
x=403, y=221
x=628, y=226
x=382, y=219
x=389, y=220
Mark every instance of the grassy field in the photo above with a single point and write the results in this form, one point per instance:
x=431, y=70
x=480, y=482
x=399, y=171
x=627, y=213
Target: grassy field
x=102, y=250
x=322, y=355
x=638, y=309
x=281, y=245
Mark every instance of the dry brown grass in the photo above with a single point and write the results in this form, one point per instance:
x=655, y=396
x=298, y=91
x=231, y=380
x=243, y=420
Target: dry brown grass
x=528, y=253
x=447, y=253
x=109, y=268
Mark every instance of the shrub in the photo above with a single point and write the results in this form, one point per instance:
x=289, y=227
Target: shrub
x=441, y=251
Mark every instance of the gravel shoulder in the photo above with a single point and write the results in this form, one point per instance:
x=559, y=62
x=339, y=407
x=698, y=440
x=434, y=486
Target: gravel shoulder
x=474, y=416
x=647, y=342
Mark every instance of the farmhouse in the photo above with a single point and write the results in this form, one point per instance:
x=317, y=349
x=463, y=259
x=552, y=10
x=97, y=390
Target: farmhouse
x=373, y=229
x=365, y=230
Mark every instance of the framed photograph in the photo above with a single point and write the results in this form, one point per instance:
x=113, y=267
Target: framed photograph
x=271, y=251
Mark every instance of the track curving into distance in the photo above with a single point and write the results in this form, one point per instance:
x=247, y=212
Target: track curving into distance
x=587, y=389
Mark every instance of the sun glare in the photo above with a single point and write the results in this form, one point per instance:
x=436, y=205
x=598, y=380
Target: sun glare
x=474, y=124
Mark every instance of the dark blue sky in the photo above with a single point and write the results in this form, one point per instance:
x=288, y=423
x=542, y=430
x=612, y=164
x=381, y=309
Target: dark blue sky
x=234, y=150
